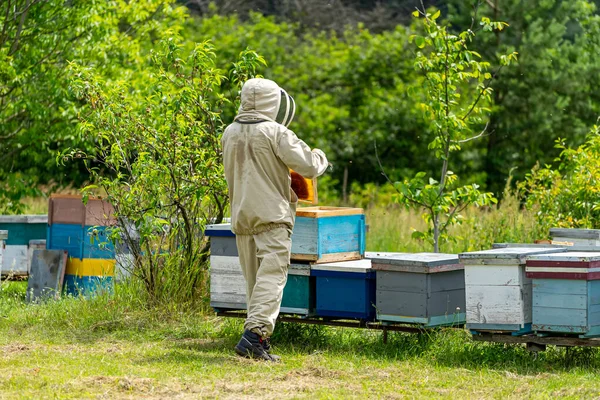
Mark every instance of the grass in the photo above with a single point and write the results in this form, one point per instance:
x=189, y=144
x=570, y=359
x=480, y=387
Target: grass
x=105, y=348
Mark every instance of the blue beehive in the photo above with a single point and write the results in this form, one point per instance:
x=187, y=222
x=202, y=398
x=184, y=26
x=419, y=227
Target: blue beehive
x=566, y=292
x=328, y=234
x=345, y=289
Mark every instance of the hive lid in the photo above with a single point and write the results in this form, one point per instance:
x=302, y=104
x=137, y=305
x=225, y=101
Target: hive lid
x=570, y=258
x=504, y=256
x=414, y=262
x=24, y=219
x=356, y=266
x=3, y=235
x=320, y=211
x=575, y=233
x=218, y=230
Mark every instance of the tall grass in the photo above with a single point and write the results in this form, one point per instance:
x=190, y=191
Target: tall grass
x=390, y=228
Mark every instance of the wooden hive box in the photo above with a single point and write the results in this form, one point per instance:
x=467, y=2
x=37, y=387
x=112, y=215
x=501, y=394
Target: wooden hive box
x=566, y=292
x=579, y=237
x=345, y=289
x=69, y=209
x=498, y=294
x=21, y=229
x=328, y=234
x=421, y=288
x=228, y=286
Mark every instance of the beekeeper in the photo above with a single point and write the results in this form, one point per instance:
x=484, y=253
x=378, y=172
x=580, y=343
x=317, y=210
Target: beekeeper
x=258, y=153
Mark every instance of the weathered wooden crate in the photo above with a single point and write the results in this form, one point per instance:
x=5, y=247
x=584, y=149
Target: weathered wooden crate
x=421, y=288
x=566, y=292
x=328, y=234
x=498, y=294
x=579, y=237
x=89, y=276
x=345, y=289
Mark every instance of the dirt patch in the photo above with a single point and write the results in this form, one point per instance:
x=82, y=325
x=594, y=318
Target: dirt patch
x=14, y=348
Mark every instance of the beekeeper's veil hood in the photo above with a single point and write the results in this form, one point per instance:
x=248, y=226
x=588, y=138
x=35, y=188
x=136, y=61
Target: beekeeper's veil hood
x=264, y=100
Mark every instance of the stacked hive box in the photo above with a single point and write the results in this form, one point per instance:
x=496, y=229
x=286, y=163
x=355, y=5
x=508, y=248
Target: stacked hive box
x=83, y=230
x=566, y=292
x=498, y=294
x=345, y=289
x=21, y=230
x=422, y=288
x=227, y=284
x=328, y=234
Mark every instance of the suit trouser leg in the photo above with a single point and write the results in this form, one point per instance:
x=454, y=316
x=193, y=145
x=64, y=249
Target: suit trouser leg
x=265, y=259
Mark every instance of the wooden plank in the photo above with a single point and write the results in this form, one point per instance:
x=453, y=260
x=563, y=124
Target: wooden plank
x=3, y=235
x=47, y=275
x=512, y=254
x=446, y=303
x=360, y=266
x=405, y=304
x=539, y=327
x=224, y=264
x=501, y=275
x=90, y=267
x=304, y=238
x=327, y=258
x=34, y=245
x=575, y=233
x=341, y=234
x=558, y=286
x=495, y=304
x=563, y=301
x=99, y=213
x=320, y=211
x=565, y=259
x=223, y=246
x=227, y=284
x=441, y=282
x=413, y=259
x=544, y=340
x=406, y=282
x=66, y=210
x=560, y=316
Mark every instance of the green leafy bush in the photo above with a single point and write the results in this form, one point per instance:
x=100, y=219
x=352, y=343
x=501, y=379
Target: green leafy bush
x=568, y=195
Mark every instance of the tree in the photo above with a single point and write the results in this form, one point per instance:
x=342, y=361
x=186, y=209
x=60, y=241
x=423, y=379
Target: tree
x=457, y=100
x=552, y=91
x=158, y=159
x=37, y=114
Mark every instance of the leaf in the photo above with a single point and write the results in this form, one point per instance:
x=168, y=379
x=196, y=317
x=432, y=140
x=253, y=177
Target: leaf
x=420, y=41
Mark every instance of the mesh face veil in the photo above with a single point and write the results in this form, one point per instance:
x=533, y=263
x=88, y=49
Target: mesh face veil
x=287, y=109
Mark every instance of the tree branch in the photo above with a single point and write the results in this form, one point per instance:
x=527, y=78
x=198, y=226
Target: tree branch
x=480, y=135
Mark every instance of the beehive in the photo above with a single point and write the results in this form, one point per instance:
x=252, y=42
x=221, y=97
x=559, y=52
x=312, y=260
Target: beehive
x=421, y=288
x=328, y=234
x=83, y=230
x=345, y=289
x=21, y=229
x=228, y=286
x=498, y=294
x=566, y=292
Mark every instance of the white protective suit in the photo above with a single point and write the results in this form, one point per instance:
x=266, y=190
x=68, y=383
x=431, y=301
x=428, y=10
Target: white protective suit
x=258, y=152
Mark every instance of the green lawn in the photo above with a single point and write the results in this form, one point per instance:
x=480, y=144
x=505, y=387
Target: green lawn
x=104, y=348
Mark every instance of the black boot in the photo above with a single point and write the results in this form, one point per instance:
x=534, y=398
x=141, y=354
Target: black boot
x=251, y=346
x=267, y=346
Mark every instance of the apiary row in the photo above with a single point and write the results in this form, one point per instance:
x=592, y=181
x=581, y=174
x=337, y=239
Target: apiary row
x=516, y=290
